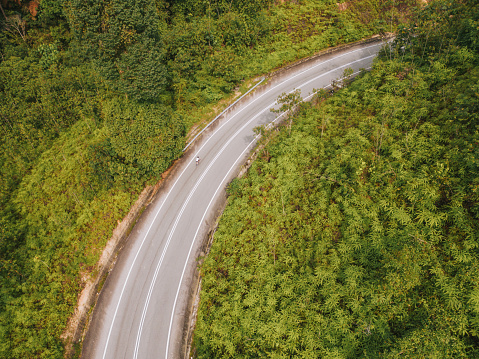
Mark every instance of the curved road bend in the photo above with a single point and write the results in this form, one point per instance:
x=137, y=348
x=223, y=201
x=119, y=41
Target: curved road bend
x=142, y=306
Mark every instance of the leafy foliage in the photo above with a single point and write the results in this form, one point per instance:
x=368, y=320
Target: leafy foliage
x=96, y=98
x=211, y=46
x=140, y=142
x=355, y=233
x=124, y=38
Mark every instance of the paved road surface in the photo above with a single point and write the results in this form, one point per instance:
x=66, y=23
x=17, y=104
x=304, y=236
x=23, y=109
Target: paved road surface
x=142, y=306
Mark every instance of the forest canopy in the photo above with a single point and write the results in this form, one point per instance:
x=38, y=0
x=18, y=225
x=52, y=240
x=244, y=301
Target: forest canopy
x=96, y=101
x=355, y=233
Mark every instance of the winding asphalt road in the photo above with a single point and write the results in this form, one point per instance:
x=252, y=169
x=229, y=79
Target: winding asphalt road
x=144, y=302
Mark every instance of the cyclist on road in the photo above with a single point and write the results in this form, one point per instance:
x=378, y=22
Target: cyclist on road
x=197, y=160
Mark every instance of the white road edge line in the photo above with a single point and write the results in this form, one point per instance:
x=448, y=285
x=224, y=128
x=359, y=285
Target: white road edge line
x=187, y=166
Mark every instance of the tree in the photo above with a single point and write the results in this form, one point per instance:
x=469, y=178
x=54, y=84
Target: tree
x=124, y=38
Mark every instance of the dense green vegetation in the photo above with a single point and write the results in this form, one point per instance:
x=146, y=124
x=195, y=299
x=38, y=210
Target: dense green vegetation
x=355, y=234
x=96, y=98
